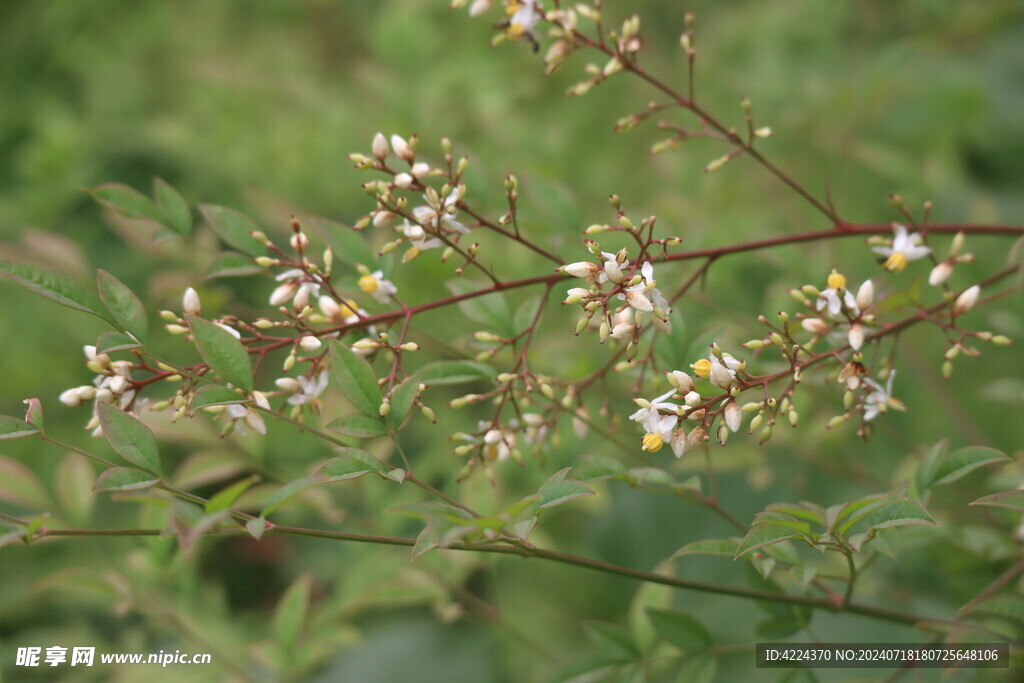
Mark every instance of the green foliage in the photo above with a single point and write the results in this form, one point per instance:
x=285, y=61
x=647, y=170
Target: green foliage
x=222, y=351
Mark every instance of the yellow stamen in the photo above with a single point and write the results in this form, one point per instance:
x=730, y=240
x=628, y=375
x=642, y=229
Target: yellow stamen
x=652, y=443
x=348, y=309
x=702, y=368
x=512, y=7
x=836, y=280
x=368, y=284
x=514, y=31
x=896, y=262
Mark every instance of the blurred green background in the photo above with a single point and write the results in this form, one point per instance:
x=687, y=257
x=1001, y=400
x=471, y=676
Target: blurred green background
x=254, y=104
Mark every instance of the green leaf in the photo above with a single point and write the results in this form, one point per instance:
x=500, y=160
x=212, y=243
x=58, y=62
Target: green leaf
x=225, y=498
x=594, y=467
x=578, y=670
x=401, y=400
x=13, y=428
x=557, y=490
x=214, y=395
x=54, y=285
x=289, y=491
x=21, y=486
x=905, y=512
x=700, y=667
x=111, y=341
x=352, y=463
x=710, y=546
x=225, y=355
x=778, y=629
x=358, y=425
x=444, y=372
x=354, y=376
x=130, y=438
x=679, y=629
x=490, y=309
x=959, y=463
x=235, y=228
x=178, y=215
x=290, y=614
x=256, y=527
x=128, y=202
x=765, y=533
x=231, y=264
x=124, y=479
x=612, y=639
x=802, y=511
x=34, y=412
x=1011, y=500
x=349, y=245
x=122, y=303
x=925, y=473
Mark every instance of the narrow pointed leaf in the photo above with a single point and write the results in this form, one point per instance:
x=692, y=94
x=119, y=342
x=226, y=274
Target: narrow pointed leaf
x=612, y=639
x=349, y=245
x=290, y=614
x=354, y=376
x=358, y=425
x=225, y=498
x=124, y=479
x=225, y=355
x=710, y=546
x=679, y=629
x=231, y=264
x=904, y=512
x=763, y=534
x=124, y=305
x=178, y=215
x=961, y=462
x=401, y=400
x=128, y=202
x=13, y=428
x=445, y=372
x=1011, y=500
x=130, y=438
x=289, y=491
x=235, y=228
x=214, y=395
x=557, y=490
x=54, y=285
x=111, y=341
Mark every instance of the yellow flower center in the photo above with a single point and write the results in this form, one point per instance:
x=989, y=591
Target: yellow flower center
x=348, y=309
x=514, y=31
x=512, y=7
x=836, y=280
x=702, y=368
x=652, y=443
x=368, y=284
x=896, y=262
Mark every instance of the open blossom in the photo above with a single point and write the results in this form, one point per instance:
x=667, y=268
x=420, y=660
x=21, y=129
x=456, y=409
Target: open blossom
x=721, y=371
x=645, y=296
x=112, y=384
x=661, y=430
x=303, y=390
x=243, y=415
x=837, y=296
x=653, y=407
x=623, y=326
x=905, y=247
x=375, y=284
x=418, y=237
x=346, y=312
x=880, y=400
x=294, y=284
x=428, y=215
x=524, y=16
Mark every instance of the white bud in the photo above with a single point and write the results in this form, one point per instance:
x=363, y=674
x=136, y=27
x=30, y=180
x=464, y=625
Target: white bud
x=71, y=397
x=637, y=300
x=966, y=300
x=856, y=336
x=940, y=273
x=299, y=241
x=403, y=180
x=380, y=146
x=261, y=400
x=289, y=384
x=612, y=270
x=301, y=299
x=283, y=293
x=190, y=302
x=118, y=385
x=680, y=380
x=420, y=169
x=733, y=415
x=865, y=295
x=720, y=376
x=402, y=148
x=492, y=437
x=814, y=325
x=692, y=399
x=310, y=343
x=582, y=269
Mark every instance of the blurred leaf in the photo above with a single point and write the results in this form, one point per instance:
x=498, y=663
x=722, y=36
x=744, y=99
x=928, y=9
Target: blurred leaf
x=805, y=511
x=111, y=341
x=351, y=246
x=557, y=490
x=128, y=202
x=214, y=395
x=940, y=468
x=700, y=667
x=585, y=669
x=124, y=305
x=778, y=628
x=289, y=491
x=905, y=512
x=1012, y=500
x=290, y=614
x=256, y=527
x=358, y=425
x=490, y=310
x=444, y=372
x=525, y=313
x=351, y=464
x=124, y=479
x=354, y=376
x=680, y=629
x=54, y=285
x=225, y=498
x=594, y=467
x=34, y=413
x=612, y=639
x=231, y=264
x=130, y=438
x=225, y=354
x=402, y=398
x=13, y=428
x=20, y=485
x=710, y=546
x=75, y=478
x=173, y=206
x=1005, y=605
x=235, y=228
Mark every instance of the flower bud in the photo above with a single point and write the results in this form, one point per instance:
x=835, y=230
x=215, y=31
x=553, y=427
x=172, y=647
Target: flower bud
x=190, y=302
x=380, y=146
x=966, y=300
x=402, y=148
x=856, y=336
x=733, y=415
x=385, y=408
x=309, y=343
x=940, y=273
x=681, y=381
x=403, y=180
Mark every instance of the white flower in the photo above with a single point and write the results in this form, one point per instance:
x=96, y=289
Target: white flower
x=309, y=388
x=837, y=296
x=346, y=312
x=497, y=443
x=418, y=238
x=293, y=284
x=905, y=247
x=623, y=325
x=234, y=333
x=880, y=400
x=525, y=16
x=661, y=430
x=375, y=284
x=244, y=416
x=645, y=296
x=427, y=215
x=721, y=372
x=652, y=407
